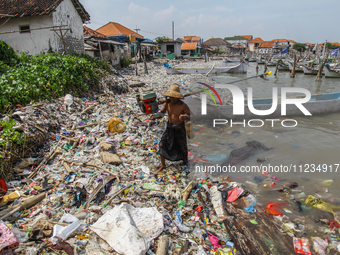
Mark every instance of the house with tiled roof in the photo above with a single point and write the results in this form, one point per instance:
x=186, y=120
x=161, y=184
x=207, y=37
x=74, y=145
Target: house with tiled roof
x=115, y=30
x=254, y=44
x=266, y=47
x=248, y=37
x=239, y=44
x=98, y=45
x=218, y=44
x=37, y=26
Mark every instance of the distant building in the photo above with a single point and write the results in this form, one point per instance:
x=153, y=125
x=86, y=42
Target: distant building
x=115, y=30
x=37, y=26
x=266, y=47
x=191, y=45
x=254, y=44
x=172, y=47
x=218, y=44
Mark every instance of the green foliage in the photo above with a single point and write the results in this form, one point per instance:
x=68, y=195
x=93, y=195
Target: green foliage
x=331, y=46
x=45, y=76
x=8, y=135
x=299, y=47
x=161, y=39
x=7, y=54
x=125, y=62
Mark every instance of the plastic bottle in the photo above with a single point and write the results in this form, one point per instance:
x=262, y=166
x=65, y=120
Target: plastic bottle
x=217, y=201
x=68, y=100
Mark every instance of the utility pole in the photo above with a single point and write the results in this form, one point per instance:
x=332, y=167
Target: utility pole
x=137, y=29
x=173, y=30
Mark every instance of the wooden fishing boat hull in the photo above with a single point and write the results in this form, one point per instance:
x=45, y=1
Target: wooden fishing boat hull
x=240, y=68
x=309, y=71
x=318, y=104
x=298, y=69
x=331, y=73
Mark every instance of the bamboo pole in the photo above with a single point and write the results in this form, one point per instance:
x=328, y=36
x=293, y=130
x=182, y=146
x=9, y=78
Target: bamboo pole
x=145, y=66
x=292, y=75
x=277, y=66
x=24, y=205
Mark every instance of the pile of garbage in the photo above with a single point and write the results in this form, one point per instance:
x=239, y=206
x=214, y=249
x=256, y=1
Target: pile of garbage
x=89, y=187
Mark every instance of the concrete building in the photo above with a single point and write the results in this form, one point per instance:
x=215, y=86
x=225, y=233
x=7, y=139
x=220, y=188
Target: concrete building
x=38, y=26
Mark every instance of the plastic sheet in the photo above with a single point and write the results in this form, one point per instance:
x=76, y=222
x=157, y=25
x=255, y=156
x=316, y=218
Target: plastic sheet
x=129, y=230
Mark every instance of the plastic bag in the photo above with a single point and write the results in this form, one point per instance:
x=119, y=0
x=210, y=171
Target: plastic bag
x=318, y=203
x=250, y=208
x=272, y=208
x=116, y=125
x=319, y=245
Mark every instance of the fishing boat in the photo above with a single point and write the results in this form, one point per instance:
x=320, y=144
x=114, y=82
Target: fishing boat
x=240, y=68
x=283, y=67
x=310, y=70
x=332, y=72
x=298, y=68
x=318, y=104
x=229, y=60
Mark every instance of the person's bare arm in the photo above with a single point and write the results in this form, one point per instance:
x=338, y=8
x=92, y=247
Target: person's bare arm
x=187, y=114
x=164, y=108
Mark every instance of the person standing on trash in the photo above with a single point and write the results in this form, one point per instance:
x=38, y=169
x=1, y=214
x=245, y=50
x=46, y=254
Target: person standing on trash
x=173, y=144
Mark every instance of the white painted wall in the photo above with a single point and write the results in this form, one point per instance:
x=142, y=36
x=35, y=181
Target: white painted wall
x=34, y=42
x=66, y=14
x=37, y=41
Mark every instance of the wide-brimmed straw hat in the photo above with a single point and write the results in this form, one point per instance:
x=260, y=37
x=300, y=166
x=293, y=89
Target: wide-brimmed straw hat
x=173, y=92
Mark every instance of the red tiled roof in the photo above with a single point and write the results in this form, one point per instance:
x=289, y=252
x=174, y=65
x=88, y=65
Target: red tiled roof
x=116, y=29
x=335, y=43
x=189, y=46
x=267, y=44
x=22, y=8
x=256, y=40
x=248, y=37
x=279, y=40
x=195, y=38
x=292, y=41
x=89, y=32
x=188, y=38
x=307, y=43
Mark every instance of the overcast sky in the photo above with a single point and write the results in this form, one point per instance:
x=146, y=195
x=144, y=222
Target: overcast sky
x=311, y=21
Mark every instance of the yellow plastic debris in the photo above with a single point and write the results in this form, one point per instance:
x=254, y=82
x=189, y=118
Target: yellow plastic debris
x=116, y=125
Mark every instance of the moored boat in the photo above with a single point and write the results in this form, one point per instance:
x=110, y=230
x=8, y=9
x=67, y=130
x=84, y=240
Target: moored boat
x=318, y=104
x=310, y=70
x=240, y=68
x=331, y=72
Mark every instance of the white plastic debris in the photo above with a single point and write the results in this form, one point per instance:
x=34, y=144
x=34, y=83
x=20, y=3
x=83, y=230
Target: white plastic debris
x=65, y=232
x=129, y=230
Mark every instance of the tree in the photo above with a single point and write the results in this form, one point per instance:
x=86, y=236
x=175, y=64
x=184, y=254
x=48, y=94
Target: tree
x=331, y=46
x=161, y=39
x=299, y=47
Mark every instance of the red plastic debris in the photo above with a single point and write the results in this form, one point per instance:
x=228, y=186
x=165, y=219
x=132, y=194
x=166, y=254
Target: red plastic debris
x=272, y=208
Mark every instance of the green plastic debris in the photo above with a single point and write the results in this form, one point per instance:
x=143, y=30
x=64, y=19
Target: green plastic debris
x=181, y=203
x=253, y=222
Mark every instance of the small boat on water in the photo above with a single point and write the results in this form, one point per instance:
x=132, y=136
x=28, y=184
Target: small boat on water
x=332, y=72
x=283, y=67
x=298, y=68
x=318, y=104
x=229, y=60
x=240, y=68
x=310, y=70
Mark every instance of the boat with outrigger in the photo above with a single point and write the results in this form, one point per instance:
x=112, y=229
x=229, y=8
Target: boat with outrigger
x=319, y=104
x=240, y=68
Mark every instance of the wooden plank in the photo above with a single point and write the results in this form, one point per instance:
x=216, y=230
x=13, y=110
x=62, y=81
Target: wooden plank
x=264, y=238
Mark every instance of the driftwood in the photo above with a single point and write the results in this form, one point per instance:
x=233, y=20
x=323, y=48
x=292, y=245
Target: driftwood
x=188, y=190
x=88, y=125
x=24, y=205
x=163, y=245
x=137, y=85
x=117, y=193
x=89, y=108
x=45, y=160
x=67, y=167
x=96, y=191
x=249, y=239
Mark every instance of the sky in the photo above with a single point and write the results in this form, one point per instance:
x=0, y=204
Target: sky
x=312, y=21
